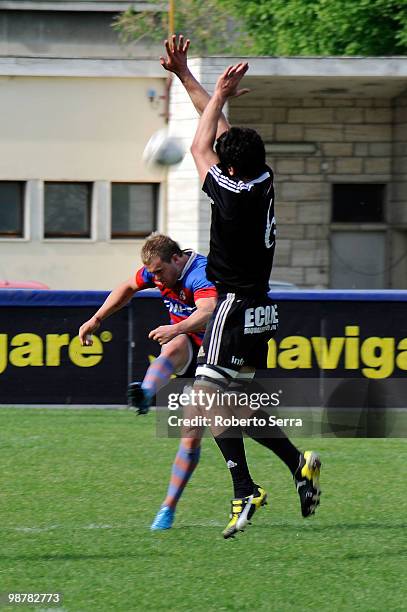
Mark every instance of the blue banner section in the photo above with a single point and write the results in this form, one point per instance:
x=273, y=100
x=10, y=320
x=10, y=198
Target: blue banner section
x=24, y=297
x=340, y=295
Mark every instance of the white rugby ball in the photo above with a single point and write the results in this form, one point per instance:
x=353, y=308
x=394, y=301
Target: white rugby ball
x=163, y=150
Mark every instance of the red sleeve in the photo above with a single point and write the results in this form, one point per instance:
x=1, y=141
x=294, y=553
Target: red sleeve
x=205, y=292
x=144, y=279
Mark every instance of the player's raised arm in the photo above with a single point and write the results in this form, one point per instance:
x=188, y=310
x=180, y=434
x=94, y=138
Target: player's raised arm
x=119, y=297
x=176, y=62
x=205, y=136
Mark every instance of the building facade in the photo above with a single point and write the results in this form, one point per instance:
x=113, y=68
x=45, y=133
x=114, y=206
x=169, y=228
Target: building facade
x=76, y=199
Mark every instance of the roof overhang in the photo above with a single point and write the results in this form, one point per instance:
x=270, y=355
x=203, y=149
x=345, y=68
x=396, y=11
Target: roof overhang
x=77, y=67
x=267, y=77
x=281, y=77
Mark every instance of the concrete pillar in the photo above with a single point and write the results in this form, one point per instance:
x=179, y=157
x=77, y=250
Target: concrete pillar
x=399, y=191
x=188, y=208
x=398, y=197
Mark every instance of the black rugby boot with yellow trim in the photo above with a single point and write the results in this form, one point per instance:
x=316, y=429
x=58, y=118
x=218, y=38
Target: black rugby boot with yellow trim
x=243, y=509
x=306, y=480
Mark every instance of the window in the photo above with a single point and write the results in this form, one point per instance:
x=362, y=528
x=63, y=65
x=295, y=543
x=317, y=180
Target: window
x=12, y=209
x=134, y=209
x=67, y=210
x=358, y=203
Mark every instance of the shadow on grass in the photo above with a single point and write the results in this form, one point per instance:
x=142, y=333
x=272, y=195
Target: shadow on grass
x=314, y=527
x=379, y=554
x=357, y=526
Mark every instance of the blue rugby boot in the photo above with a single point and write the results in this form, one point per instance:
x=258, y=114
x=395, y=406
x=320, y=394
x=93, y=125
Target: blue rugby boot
x=164, y=519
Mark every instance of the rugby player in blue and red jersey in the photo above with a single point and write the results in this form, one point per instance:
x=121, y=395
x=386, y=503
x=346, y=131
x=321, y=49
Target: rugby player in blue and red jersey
x=190, y=298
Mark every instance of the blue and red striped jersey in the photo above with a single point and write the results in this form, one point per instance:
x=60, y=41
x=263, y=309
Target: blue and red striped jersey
x=191, y=286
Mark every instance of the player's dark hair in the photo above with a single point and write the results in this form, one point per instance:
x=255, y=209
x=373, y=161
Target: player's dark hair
x=159, y=245
x=243, y=149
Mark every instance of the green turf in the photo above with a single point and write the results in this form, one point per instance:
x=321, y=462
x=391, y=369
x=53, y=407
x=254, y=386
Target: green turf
x=80, y=488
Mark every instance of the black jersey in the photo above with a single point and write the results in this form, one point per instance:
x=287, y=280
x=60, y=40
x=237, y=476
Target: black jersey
x=243, y=228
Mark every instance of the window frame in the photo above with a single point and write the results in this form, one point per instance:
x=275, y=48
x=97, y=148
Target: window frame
x=131, y=235
x=384, y=226
x=12, y=236
x=352, y=184
x=90, y=209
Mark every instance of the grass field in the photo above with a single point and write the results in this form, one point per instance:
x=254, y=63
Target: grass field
x=79, y=489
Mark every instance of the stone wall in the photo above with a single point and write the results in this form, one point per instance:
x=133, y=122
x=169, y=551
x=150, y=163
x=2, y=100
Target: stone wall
x=353, y=143
x=351, y=140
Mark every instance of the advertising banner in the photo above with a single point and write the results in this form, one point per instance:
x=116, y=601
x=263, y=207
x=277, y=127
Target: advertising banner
x=332, y=348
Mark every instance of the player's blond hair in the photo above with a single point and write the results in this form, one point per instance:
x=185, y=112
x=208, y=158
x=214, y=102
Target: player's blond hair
x=159, y=245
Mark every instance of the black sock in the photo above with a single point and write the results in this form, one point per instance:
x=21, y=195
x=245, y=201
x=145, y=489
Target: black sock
x=275, y=439
x=231, y=445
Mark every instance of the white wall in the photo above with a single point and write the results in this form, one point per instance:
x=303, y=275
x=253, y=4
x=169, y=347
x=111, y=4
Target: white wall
x=75, y=129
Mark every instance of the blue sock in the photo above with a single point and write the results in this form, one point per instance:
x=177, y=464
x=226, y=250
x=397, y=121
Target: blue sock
x=157, y=375
x=183, y=467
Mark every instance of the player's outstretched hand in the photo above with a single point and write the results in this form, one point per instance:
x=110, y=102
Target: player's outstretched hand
x=87, y=329
x=177, y=51
x=227, y=83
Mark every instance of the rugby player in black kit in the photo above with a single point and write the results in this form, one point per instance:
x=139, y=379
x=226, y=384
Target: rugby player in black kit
x=242, y=242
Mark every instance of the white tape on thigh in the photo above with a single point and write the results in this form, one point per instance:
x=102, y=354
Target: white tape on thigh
x=206, y=370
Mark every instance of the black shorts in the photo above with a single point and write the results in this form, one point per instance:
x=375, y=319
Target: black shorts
x=238, y=332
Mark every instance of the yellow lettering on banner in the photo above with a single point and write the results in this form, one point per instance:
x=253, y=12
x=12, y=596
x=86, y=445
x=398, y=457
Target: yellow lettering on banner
x=401, y=360
x=352, y=347
x=296, y=353
x=378, y=354
x=85, y=356
x=54, y=344
x=272, y=354
x=375, y=357
x=327, y=355
x=29, y=352
x=3, y=352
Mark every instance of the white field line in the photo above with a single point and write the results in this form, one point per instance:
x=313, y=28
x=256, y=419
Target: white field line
x=66, y=406
x=78, y=407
